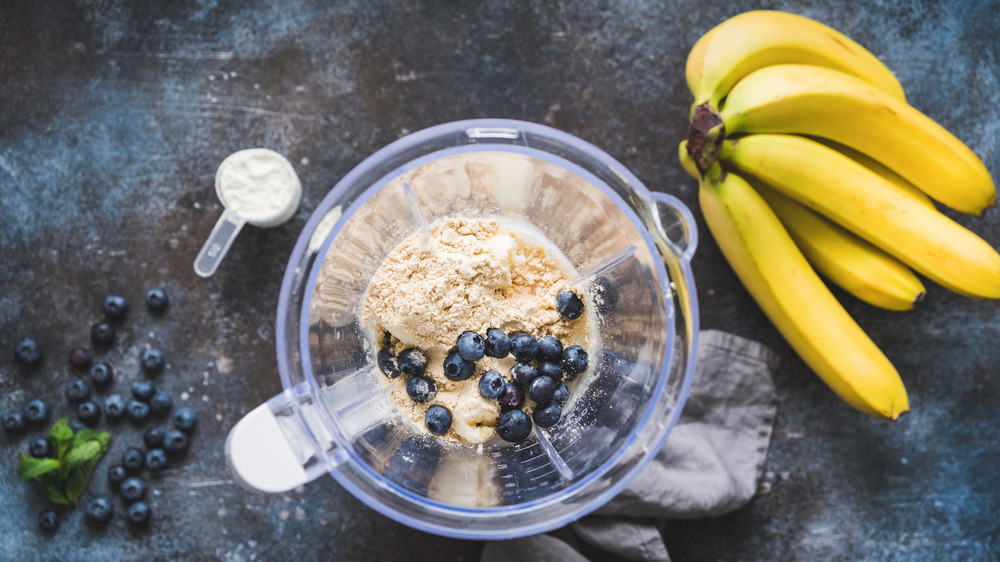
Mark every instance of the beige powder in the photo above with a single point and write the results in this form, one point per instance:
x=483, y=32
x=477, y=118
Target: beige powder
x=471, y=274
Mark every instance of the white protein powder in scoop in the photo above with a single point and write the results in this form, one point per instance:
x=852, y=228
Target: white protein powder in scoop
x=258, y=184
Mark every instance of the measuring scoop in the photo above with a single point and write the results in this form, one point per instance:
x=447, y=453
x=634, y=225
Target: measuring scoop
x=256, y=186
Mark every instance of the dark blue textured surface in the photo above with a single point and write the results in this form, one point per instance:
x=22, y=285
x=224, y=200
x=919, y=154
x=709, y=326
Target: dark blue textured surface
x=114, y=116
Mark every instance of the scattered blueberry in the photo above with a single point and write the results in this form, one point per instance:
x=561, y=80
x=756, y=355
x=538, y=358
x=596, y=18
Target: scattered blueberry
x=497, y=343
x=161, y=402
x=132, y=490
x=99, y=511
x=512, y=397
x=101, y=374
x=175, y=441
x=75, y=426
x=412, y=361
x=551, y=370
x=28, y=352
x=151, y=361
x=549, y=348
x=116, y=475
x=547, y=415
x=574, y=361
x=387, y=363
x=184, y=419
x=115, y=407
x=421, y=388
x=524, y=347
x=49, y=521
x=513, y=426
x=471, y=346
x=156, y=459
x=542, y=390
x=457, y=368
x=569, y=305
x=138, y=513
x=133, y=459
x=102, y=333
x=13, y=422
x=89, y=413
x=77, y=390
x=36, y=411
x=40, y=448
x=605, y=294
x=137, y=411
x=153, y=437
x=523, y=374
x=115, y=307
x=157, y=300
x=491, y=384
x=561, y=394
x=438, y=419
x=143, y=390
x=81, y=358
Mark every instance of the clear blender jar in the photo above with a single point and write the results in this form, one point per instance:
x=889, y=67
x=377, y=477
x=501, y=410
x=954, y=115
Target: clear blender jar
x=335, y=414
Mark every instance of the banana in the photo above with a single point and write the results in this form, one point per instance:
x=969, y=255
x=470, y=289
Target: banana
x=795, y=299
x=756, y=39
x=861, y=201
x=879, y=168
x=810, y=100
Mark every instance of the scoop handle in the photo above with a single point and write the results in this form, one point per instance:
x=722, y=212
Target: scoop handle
x=218, y=243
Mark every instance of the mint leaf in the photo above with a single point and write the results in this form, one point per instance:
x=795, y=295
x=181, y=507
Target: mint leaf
x=62, y=436
x=56, y=495
x=30, y=467
x=83, y=453
x=77, y=482
x=86, y=434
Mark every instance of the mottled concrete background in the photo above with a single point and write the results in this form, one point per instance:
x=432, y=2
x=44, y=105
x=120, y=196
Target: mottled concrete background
x=114, y=116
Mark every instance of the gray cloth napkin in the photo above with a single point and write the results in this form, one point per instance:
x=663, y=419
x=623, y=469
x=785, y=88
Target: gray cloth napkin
x=710, y=464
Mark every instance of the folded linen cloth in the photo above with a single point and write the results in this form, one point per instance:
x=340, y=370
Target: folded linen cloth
x=710, y=464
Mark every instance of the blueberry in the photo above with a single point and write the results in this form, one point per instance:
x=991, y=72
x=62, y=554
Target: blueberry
x=49, y=521
x=605, y=294
x=523, y=374
x=89, y=413
x=551, y=370
x=13, y=422
x=138, y=513
x=77, y=390
x=137, y=411
x=114, y=407
x=116, y=475
x=81, y=358
x=161, y=402
x=547, y=415
x=549, y=348
x=151, y=361
x=133, y=459
x=28, y=352
x=175, y=441
x=569, y=305
x=387, y=363
x=40, y=448
x=471, y=346
x=561, y=394
x=101, y=374
x=524, y=347
x=412, y=361
x=115, y=307
x=76, y=425
x=157, y=300
x=574, y=361
x=457, y=368
x=99, y=511
x=541, y=390
x=513, y=426
x=102, y=333
x=143, y=390
x=491, y=384
x=437, y=419
x=497, y=343
x=156, y=459
x=132, y=490
x=184, y=419
x=36, y=411
x=153, y=437
x=421, y=388
x=512, y=397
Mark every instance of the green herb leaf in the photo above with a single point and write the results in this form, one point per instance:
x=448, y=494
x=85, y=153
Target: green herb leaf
x=77, y=482
x=30, y=467
x=86, y=434
x=62, y=436
x=56, y=495
x=83, y=453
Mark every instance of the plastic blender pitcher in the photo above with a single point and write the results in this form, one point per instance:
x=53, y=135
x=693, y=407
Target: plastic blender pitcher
x=631, y=249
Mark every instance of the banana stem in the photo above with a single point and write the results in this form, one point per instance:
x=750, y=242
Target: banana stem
x=705, y=135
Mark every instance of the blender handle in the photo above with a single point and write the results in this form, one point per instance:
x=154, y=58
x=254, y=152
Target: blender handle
x=674, y=223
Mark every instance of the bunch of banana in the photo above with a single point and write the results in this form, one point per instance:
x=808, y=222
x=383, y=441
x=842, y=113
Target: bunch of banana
x=810, y=160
